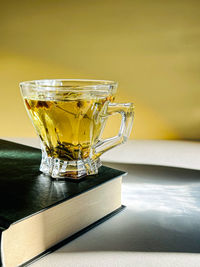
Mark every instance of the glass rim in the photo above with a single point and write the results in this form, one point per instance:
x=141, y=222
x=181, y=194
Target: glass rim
x=69, y=84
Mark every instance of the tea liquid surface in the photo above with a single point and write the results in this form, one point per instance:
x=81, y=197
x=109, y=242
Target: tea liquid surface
x=68, y=128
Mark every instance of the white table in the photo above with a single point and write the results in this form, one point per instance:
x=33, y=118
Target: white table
x=183, y=154
x=159, y=227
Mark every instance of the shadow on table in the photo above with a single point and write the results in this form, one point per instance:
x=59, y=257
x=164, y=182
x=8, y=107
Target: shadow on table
x=162, y=214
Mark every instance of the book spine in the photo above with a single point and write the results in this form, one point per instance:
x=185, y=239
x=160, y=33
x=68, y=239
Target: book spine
x=1, y=264
x=4, y=224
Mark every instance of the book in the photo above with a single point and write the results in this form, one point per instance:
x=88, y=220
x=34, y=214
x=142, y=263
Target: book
x=39, y=214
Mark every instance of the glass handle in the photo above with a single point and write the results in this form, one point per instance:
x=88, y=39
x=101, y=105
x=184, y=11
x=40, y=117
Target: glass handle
x=127, y=112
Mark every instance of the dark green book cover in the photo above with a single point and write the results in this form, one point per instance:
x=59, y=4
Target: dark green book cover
x=25, y=191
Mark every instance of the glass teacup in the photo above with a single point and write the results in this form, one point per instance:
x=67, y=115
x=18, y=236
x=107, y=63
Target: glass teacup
x=69, y=117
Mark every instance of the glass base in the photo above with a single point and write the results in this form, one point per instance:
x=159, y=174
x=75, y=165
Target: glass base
x=61, y=169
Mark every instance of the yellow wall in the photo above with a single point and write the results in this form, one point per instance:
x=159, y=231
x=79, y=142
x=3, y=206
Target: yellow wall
x=152, y=48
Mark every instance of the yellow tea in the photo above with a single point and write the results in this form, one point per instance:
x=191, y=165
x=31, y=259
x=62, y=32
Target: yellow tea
x=68, y=128
x=69, y=117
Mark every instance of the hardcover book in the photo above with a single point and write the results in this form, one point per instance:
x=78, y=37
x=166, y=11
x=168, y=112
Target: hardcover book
x=39, y=214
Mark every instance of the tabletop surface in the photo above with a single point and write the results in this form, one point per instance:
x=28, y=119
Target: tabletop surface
x=182, y=154
x=159, y=227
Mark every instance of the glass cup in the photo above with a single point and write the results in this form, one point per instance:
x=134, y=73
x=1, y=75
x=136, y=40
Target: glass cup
x=69, y=117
